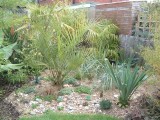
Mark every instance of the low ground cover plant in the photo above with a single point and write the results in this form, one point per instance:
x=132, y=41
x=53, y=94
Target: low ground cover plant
x=26, y=89
x=48, y=98
x=83, y=89
x=66, y=91
x=105, y=104
x=70, y=80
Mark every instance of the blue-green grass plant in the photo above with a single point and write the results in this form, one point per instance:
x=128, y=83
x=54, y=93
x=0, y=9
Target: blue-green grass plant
x=127, y=80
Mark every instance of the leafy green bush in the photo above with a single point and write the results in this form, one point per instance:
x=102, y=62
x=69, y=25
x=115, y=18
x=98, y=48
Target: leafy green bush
x=83, y=89
x=127, y=80
x=11, y=19
x=5, y=53
x=65, y=91
x=107, y=43
x=105, y=104
x=17, y=77
x=5, y=63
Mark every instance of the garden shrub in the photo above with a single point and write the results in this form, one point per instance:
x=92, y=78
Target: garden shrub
x=5, y=64
x=108, y=43
x=151, y=53
x=17, y=77
x=12, y=41
x=152, y=58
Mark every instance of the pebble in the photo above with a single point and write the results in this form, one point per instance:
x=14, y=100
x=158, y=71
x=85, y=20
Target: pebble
x=33, y=102
x=61, y=104
x=38, y=100
x=115, y=96
x=41, y=106
x=52, y=108
x=97, y=105
x=33, y=113
x=86, y=107
x=70, y=108
x=25, y=101
x=65, y=99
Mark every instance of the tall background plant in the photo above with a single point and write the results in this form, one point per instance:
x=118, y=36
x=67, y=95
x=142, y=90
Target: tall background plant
x=61, y=38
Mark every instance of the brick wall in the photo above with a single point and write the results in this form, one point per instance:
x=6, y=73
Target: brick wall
x=99, y=1
x=45, y=1
x=121, y=13
x=80, y=1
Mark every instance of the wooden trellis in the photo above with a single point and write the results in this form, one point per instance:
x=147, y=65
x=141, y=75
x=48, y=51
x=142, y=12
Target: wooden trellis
x=145, y=26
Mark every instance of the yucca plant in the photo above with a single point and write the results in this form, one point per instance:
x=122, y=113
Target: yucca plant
x=127, y=80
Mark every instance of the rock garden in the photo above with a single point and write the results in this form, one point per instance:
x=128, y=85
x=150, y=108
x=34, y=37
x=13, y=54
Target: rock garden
x=56, y=63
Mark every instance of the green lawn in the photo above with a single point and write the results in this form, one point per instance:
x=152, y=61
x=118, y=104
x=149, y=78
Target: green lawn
x=61, y=116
